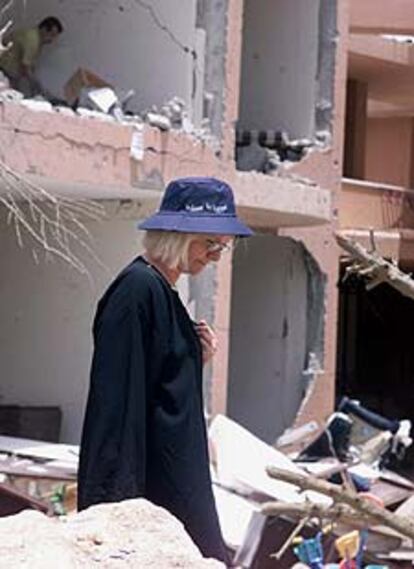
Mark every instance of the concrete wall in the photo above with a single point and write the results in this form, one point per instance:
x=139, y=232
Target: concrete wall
x=46, y=313
x=269, y=334
x=388, y=151
x=121, y=42
x=212, y=16
x=279, y=66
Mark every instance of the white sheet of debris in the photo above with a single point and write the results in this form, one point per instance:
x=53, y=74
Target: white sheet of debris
x=241, y=461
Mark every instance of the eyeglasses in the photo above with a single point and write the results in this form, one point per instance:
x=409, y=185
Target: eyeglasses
x=218, y=246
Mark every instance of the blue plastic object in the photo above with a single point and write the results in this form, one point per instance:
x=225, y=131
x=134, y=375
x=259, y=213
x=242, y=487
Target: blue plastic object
x=310, y=552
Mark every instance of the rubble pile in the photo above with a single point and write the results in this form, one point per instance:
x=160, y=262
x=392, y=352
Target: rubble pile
x=329, y=497
x=321, y=494
x=267, y=151
x=134, y=533
x=89, y=96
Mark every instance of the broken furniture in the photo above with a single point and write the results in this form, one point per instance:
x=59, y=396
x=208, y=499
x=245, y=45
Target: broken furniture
x=255, y=531
x=81, y=79
x=13, y=501
x=37, y=475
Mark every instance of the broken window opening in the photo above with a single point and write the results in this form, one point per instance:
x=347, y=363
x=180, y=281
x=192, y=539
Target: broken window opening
x=130, y=61
x=375, y=360
x=287, y=79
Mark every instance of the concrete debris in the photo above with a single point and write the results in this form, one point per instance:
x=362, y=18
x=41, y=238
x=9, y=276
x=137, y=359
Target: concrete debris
x=323, y=138
x=67, y=111
x=158, y=120
x=104, y=98
x=89, y=96
x=173, y=114
x=175, y=110
x=258, y=158
x=133, y=533
x=10, y=96
x=37, y=105
x=264, y=151
x=354, y=449
x=91, y=114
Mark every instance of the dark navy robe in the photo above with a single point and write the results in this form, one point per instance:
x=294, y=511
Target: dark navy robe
x=144, y=433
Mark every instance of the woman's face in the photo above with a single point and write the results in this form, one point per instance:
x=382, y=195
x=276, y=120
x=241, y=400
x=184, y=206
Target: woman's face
x=205, y=249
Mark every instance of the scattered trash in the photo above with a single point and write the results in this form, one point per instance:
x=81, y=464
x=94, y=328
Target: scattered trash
x=325, y=504
x=334, y=489
x=81, y=79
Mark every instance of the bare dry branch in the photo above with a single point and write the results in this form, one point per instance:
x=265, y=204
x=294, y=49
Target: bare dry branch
x=55, y=224
x=349, y=497
x=336, y=513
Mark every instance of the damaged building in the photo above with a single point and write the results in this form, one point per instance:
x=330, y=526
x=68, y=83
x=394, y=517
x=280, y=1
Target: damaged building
x=376, y=207
x=187, y=84
x=305, y=109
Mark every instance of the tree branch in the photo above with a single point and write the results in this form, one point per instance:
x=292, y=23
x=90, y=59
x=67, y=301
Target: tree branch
x=55, y=224
x=349, y=497
x=336, y=513
x=374, y=268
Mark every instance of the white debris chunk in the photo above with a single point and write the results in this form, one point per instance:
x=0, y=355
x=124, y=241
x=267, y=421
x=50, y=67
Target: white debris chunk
x=10, y=96
x=161, y=121
x=37, y=105
x=137, y=143
x=104, y=99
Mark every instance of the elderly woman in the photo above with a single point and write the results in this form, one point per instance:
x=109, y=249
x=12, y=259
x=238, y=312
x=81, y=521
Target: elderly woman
x=144, y=433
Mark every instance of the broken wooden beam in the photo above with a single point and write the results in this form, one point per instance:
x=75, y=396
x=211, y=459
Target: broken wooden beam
x=339, y=495
x=337, y=513
x=374, y=268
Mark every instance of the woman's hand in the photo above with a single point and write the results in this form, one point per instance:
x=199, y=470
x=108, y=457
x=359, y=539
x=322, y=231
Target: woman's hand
x=208, y=340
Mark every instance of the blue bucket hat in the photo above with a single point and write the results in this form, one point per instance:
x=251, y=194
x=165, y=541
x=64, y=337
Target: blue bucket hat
x=197, y=205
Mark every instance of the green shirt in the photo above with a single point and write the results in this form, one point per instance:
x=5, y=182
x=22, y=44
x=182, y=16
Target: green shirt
x=24, y=51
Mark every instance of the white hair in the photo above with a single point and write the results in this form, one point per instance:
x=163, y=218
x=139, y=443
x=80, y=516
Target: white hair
x=169, y=247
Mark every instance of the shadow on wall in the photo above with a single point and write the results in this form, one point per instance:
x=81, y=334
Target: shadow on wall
x=277, y=328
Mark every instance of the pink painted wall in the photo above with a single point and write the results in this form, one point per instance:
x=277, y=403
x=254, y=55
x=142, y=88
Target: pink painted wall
x=388, y=151
x=382, y=16
x=326, y=169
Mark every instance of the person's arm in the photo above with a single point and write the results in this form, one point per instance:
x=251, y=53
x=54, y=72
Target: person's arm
x=113, y=450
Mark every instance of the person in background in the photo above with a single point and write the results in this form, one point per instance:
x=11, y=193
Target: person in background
x=18, y=62
x=144, y=433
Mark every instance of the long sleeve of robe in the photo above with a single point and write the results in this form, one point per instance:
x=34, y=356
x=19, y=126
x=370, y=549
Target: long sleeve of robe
x=144, y=433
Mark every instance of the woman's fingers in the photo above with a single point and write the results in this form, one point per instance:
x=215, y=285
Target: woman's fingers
x=207, y=338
